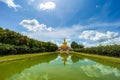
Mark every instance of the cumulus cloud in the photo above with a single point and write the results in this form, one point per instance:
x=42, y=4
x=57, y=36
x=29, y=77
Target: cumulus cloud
x=47, y=5
x=104, y=43
x=88, y=38
x=111, y=41
x=11, y=4
x=34, y=25
x=98, y=36
x=56, y=34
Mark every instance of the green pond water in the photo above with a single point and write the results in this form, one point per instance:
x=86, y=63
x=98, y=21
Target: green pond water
x=62, y=66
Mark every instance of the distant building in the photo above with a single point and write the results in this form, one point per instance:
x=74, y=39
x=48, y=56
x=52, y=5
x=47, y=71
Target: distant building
x=64, y=46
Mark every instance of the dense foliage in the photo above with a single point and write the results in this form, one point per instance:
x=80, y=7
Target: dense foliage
x=110, y=50
x=75, y=45
x=15, y=43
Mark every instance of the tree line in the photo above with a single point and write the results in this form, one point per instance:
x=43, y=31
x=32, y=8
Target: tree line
x=109, y=50
x=75, y=45
x=15, y=43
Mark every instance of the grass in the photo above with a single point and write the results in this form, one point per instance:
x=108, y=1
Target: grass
x=113, y=59
x=108, y=61
x=21, y=56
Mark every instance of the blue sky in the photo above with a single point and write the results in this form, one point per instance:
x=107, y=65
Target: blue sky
x=88, y=22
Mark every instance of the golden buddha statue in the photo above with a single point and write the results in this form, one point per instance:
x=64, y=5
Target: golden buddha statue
x=64, y=45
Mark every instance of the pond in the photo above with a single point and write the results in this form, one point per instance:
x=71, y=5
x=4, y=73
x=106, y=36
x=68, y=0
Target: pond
x=62, y=66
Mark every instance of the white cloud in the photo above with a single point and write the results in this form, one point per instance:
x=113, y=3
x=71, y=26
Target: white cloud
x=73, y=32
x=30, y=1
x=98, y=36
x=34, y=25
x=11, y=4
x=93, y=38
x=86, y=44
x=111, y=41
x=47, y=5
x=104, y=43
x=56, y=34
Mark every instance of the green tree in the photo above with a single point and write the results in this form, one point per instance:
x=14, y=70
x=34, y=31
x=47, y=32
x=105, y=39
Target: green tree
x=80, y=46
x=74, y=45
x=15, y=43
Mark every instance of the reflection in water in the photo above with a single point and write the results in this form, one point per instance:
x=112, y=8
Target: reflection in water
x=67, y=56
x=75, y=58
x=75, y=68
x=64, y=57
x=98, y=70
x=9, y=68
x=91, y=70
